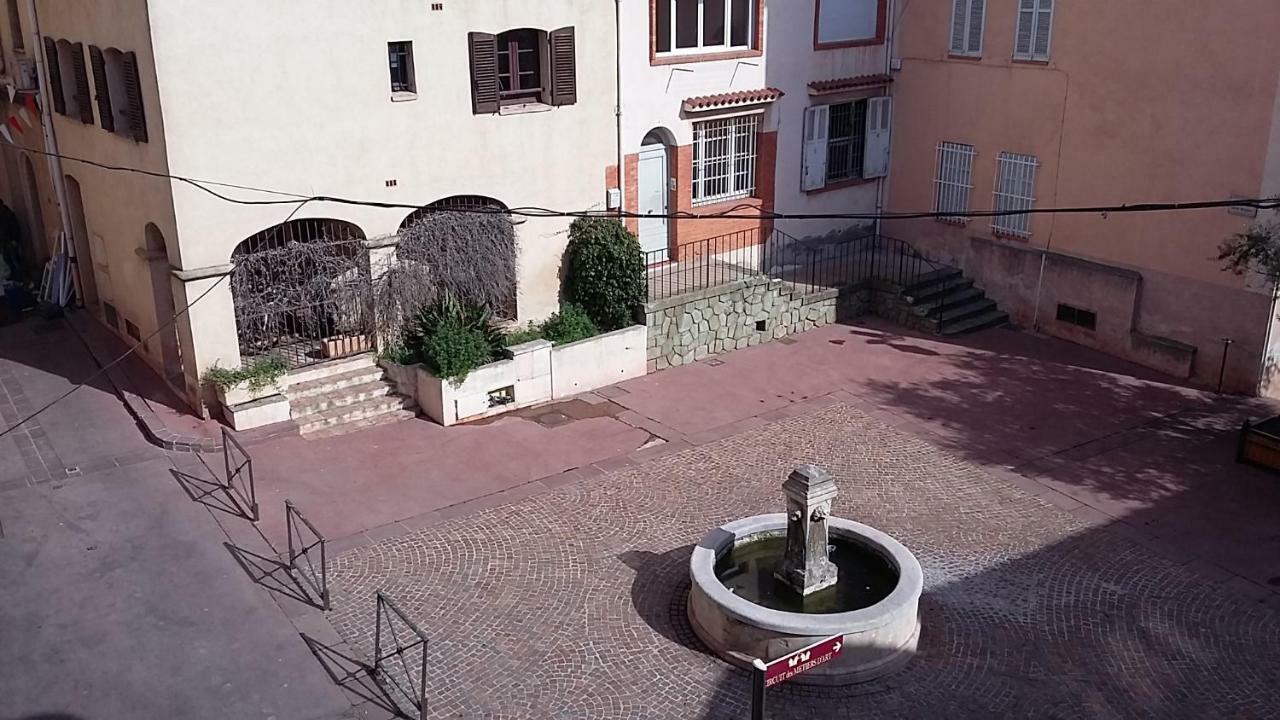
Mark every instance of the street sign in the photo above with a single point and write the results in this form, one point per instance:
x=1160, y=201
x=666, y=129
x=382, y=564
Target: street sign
x=800, y=661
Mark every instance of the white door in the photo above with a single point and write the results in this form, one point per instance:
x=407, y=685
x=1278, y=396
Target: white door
x=652, y=192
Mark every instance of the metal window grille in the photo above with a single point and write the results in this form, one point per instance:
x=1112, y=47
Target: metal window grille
x=400, y=60
x=724, y=159
x=846, y=140
x=1015, y=192
x=954, y=180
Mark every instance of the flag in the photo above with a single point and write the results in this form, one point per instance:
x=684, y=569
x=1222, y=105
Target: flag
x=4, y=131
x=30, y=102
x=25, y=117
x=13, y=123
x=12, y=92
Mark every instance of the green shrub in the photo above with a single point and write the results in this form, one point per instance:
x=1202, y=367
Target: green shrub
x=529, y=333
x=398, y=352
x=257, y=375
x=605, y=272
x=452, y=339
x=571, y=324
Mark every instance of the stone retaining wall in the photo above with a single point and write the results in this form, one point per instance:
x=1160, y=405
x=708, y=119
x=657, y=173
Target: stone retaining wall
x=747, y=312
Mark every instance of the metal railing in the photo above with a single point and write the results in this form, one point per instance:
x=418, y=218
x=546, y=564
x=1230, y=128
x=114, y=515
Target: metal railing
x=808, y=266
x=394, y=659
x=297, y=526
x=239, y=468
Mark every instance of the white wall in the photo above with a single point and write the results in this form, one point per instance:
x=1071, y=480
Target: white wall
x=296, y=97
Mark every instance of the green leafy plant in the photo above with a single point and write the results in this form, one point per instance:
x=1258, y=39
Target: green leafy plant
x=259, y=374
x=1254, y=250
x=398, y=353
x=529, y=333
x=571, y=324
x=605, y=272
x=452, y=339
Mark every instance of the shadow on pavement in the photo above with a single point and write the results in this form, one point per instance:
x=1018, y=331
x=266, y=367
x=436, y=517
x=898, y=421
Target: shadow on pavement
x=272, y=574
x=210, y=493
x=352, y=675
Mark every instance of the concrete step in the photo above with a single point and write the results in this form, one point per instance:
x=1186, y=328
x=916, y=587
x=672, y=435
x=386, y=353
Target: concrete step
x=990, y=319
x=935, y=278
x=332, y=384
x=946, y=301
x=356, y=412
x=957, y=313
x=936, y=290
x=329, y=368
x=340, y=397
x=349, y=427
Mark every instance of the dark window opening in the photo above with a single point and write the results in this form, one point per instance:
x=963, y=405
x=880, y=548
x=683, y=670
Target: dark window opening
x=740, y=33
x=713, y=22
x=1075, y=316
x=686, y=23
x=662, y=23
x=761, y=326
x=846, y=140
x=15, y=26
x=519, y=66
x=400, y=61
x=110, y=315
x=132, y=330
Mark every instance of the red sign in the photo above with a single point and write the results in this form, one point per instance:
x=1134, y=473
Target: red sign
x=783, y=669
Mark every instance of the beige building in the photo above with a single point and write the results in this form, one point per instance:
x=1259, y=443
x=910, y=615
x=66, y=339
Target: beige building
x=407, y=103
x=1013, y=104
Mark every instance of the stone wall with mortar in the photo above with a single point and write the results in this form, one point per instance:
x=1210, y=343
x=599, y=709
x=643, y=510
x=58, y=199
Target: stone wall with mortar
x=691, y=327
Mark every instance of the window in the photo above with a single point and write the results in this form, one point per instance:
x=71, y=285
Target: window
x=967, y=19
x=1015, y=192
x=846, y=135
x=954, y=180
x=703, y=25
x=846, y=141
x=1035, y=27
x=1075, y=316
x=15, y=26
x=523, y=66
x=400, y=61
x=519, y=66
x=849, y=22
x=724, y=158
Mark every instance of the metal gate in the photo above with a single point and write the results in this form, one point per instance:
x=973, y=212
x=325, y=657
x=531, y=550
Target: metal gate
x=303, y=293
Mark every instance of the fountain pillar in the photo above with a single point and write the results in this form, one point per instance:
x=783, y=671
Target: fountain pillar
x=806, y=567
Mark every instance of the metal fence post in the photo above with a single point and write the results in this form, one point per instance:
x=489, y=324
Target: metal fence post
x=757, y=689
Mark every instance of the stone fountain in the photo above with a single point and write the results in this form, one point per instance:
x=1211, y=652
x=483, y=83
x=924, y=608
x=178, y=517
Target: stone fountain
x=769, y=585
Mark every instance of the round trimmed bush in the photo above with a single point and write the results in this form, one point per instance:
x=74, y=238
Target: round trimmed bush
x=605, y=273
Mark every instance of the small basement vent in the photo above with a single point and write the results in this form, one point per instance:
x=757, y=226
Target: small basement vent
x=132, y=329
x=110, y=315
x=1075, y=316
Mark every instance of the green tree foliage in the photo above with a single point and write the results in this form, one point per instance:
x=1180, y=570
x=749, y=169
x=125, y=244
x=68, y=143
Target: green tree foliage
x=605, y=273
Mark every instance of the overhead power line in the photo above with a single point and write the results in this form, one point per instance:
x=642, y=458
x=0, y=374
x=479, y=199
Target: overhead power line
x=743, y=211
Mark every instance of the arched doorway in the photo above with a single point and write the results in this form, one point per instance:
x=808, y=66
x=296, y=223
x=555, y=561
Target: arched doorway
x=455, y=203
x=653, y=195
x=479, y=258
x=84, y=261
x=162, y=296
x=302, y=292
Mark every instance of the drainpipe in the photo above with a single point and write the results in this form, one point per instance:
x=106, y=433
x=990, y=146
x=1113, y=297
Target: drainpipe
x=892, y=33
x=46, y=124
x=617, y=109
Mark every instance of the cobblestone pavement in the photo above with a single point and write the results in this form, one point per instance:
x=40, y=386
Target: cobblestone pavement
x=570, y=604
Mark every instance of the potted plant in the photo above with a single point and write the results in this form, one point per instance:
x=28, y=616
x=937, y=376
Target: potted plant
x=257, y=380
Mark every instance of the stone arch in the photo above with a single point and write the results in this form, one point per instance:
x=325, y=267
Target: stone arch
x=455, y=203
x=659, y=136
x=85, y=265
x=300, y=291
x=415, y=248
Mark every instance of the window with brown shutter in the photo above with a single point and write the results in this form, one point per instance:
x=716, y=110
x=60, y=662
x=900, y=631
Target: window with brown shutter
x=564, y=74
x=55, y=76
x=133, y=97
x=102, y=88
x=484, y=73
x=82, y=84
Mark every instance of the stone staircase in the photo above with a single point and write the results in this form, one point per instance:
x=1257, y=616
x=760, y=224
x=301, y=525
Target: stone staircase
x=948, y=293
x=344, y=395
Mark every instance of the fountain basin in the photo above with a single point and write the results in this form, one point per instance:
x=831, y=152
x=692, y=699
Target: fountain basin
x=878, y=639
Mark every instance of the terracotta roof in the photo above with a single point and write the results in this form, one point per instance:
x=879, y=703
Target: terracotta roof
x=732, y=99
x=849, y=83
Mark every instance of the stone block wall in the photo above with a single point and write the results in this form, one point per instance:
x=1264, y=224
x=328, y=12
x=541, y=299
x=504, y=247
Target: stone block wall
x=691, y=327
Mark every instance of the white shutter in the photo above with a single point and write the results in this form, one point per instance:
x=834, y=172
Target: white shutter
x=959, y=15
x=977, y=18
x=1026, y=28
x=879, y=119
x=814, y=175
x=1044, y=28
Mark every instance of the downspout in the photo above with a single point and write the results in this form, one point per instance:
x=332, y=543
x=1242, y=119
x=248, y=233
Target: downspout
x=1057, y=173
x=617, y=108
x=46, y=123
x=892, y=33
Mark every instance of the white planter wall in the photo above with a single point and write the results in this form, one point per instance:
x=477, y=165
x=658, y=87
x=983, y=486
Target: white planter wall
x=599, y=361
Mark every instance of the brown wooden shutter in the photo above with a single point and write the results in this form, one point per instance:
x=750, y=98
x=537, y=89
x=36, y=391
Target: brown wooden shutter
x=55, y=76
x=103, y=90
x=83, y=99
x=564, y=71
x=133, y=97
x=484, y=73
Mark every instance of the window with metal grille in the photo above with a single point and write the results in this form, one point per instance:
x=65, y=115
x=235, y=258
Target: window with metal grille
x=690, y=26
x=1015, y=192
x=724, y=158
x=953, y=181
x=1035, y=28
x=1086, y=319
x=846, y=140
x=400, y=60
x=519, y=65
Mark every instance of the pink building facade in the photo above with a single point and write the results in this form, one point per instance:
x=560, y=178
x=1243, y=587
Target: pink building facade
x=1035, y=103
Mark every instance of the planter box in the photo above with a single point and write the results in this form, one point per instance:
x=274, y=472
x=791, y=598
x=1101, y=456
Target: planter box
x=240, y=394
x=533, y=373
x=257, y=413
x=1260, y=444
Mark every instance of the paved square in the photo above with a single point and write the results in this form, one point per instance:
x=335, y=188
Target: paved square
x=570, y=604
